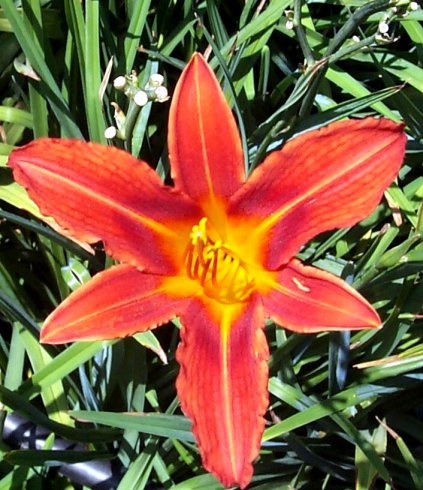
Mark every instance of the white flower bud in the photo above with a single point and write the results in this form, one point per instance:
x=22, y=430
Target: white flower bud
x=383, y=27
x=161, y=94
x=110, y=132
x=413, y=6
x=289, y=25
x=356, y=39
x=156, y=80
x=119, y=83
x=141, y=98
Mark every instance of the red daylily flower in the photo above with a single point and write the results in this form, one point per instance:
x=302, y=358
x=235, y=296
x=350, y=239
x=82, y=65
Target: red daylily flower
x=213, y=249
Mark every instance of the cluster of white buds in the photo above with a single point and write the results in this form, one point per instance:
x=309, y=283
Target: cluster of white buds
x=403, y=7
x=153, y=91
x=400, y=9
x=383, y=36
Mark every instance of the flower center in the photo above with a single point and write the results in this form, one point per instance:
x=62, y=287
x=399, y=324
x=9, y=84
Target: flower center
x=221, y=273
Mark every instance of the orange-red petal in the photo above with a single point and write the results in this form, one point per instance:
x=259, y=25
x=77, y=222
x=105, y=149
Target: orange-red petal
x=306, y=300
x=115, y=303
x=100, y=192
x=324, y=179
x=222, y=384
x=204, y=144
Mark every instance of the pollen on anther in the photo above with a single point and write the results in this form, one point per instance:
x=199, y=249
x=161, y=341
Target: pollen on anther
x=218, y=269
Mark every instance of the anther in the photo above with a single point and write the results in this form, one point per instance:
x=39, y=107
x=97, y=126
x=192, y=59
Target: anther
x=218, y=269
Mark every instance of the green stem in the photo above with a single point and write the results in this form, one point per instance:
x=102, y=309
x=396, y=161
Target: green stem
x=364, y=43
x=300, y=33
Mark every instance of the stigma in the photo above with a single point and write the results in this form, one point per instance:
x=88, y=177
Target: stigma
x=219, y=270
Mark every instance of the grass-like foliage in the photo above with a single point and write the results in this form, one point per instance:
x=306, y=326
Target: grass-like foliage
x=345, y=409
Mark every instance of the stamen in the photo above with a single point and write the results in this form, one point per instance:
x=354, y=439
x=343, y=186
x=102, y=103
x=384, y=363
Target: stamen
x=196, y=269
x=218, y=269
x=214, y=268
x=190, y=256
x=200, y=252
x=205, y=271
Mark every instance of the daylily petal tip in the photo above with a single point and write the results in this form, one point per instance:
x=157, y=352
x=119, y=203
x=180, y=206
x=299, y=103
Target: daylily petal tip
x=379, y=326
x=48, y=337
x=202, y=135
x=302, y=300
x=375, y=324
x=197, y=57
x=115, y=303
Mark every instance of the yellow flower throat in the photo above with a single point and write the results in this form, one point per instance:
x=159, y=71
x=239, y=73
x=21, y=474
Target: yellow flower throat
x=221, y=273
